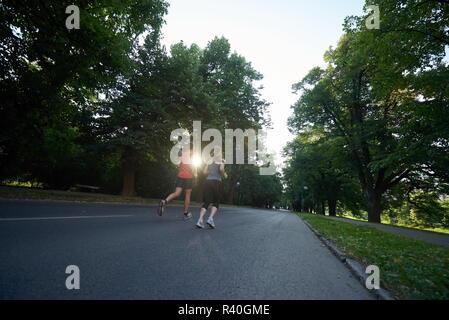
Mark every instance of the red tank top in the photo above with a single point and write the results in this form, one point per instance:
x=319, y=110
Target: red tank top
x=185, y=171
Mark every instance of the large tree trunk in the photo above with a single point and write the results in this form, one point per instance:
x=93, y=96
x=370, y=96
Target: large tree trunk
x=374, y=201
x=332, y=207
x=323, y=208
x=129, y=174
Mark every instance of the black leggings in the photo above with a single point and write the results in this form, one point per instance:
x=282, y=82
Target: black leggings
x=211, y=193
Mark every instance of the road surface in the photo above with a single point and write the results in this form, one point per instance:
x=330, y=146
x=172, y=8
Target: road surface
x=128, y=252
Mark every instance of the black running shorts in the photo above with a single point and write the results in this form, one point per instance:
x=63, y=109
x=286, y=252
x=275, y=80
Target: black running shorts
x=186, y=184
x=211, y=193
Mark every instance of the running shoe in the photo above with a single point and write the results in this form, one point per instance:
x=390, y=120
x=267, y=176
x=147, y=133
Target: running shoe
x=187, y=216
x=200, y=224
x=211, y=223
x=161, y=208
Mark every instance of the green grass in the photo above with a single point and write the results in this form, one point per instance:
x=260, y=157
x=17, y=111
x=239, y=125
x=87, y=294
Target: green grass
x=26, y=192
x=401, y=225
x=410, y=269
x=26, y=184
x=439, y=230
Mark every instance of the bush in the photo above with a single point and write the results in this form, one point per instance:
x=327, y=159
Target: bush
x=426, y=209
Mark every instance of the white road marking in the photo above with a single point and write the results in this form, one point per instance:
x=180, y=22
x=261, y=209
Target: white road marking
x=56, y=218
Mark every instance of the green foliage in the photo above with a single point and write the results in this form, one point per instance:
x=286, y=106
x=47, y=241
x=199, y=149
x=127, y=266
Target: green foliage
x=97, y=105
x=258, y=190
x=318, y=172
x=427, y=210
x=63, y=155
x=166, y=92
x=445, y=205
x=61, y=145
x=230, y=80
x=51, y=76
x=382, y=94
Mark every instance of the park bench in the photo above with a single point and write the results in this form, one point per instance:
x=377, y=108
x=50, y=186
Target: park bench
x=86, y=187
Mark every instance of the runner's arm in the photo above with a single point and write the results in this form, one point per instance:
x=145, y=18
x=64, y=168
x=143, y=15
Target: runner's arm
x=222, y=171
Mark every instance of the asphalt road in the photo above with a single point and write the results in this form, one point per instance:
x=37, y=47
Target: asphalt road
x=128, y=252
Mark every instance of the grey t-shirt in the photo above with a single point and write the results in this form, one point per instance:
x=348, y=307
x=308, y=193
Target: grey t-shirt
x=214, y=172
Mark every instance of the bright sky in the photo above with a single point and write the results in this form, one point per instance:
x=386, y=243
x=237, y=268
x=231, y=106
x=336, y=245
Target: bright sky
x=282, y=39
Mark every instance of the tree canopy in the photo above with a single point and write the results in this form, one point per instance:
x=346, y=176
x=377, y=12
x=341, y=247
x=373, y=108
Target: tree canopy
x=381, y=103
x=96, y=105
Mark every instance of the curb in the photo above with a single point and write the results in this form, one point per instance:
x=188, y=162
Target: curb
x=356, y=268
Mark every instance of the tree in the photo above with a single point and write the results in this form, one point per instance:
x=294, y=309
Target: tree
x=376, y=93
x=50, y=74
x=163, y=94
x=258, y=190
x=318, y=172
x=230, y=81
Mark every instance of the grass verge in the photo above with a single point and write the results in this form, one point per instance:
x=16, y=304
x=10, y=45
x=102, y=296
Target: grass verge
x=26, y=193
x=410, y=269
x=400, y=225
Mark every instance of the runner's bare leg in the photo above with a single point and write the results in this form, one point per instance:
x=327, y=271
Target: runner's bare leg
x=202, y=213
x=187, y=200
x=213, y=211
x=174, y=195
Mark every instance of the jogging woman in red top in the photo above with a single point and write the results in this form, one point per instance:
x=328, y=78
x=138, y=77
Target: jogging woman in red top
x=184, y=181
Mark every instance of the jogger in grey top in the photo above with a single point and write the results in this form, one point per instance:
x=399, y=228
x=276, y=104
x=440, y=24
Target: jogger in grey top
x=215, y=171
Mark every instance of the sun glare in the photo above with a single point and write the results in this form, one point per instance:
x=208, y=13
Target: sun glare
x=196, y=161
